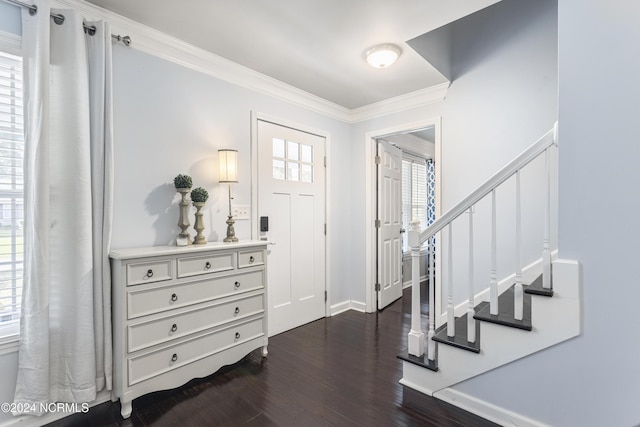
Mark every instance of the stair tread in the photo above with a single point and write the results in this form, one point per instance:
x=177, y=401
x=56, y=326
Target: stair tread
x=420, y=361
x=505, y=316
x=535, y=288
x=459, y=340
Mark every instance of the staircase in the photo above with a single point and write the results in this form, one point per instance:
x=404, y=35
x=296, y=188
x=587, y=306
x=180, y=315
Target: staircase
x=536, y=307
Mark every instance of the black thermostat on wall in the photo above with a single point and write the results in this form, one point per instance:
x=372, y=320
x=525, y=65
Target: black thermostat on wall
x=264, y=223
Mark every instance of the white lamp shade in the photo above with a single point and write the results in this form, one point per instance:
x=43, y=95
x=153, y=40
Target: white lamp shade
x=383, y=55
x=228, y=165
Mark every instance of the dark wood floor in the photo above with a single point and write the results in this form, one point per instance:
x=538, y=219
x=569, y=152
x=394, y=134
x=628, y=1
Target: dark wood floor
x=339, y=371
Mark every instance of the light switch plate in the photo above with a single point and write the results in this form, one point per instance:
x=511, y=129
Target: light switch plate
x=240, y=212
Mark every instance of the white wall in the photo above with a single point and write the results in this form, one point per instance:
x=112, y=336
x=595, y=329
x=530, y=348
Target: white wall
x=593, y=379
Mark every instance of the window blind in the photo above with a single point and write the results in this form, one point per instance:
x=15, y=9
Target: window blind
x=11, y=193
x=414, y=193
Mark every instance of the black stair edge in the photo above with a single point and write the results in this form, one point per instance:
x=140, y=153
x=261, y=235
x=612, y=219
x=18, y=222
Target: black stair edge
x=505, y=316
x=459, y=340
x=535, y=288
x=422, y=361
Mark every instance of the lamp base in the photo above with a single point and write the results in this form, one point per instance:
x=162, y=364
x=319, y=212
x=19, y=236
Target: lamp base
x=231, y=232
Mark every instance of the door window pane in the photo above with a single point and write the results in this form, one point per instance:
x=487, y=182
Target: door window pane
x=307, y=153
x=293, y=152
x=278, y=169
x=278, y=148
x=306, y=174
x=293, y=171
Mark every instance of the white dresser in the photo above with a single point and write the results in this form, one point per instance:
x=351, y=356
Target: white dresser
x=184, y=312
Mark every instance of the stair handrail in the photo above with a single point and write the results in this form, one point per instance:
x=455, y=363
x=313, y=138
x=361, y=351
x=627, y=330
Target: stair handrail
x=416, y=239
x=528, y=155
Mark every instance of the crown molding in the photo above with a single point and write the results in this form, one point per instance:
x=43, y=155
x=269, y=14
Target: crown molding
x=400, y=103
x=157, y=43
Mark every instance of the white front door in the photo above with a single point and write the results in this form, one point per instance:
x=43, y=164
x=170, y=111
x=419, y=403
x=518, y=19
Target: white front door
x=291, y=193
x=389, y=224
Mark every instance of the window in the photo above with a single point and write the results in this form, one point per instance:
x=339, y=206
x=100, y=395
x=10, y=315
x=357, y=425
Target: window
x=11, y=193
x=415, y=193
x=292, y=161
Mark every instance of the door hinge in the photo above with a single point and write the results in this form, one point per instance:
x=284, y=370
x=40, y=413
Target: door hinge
x=378, y=160
x=325, y=161
x=325, y=229
x=377, y=223
x=377, y=287
x=325, y=296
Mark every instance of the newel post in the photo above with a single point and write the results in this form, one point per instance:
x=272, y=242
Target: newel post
x=416, y=336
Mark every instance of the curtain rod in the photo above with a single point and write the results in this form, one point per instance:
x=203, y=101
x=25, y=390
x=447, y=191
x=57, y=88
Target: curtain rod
x=59, y=19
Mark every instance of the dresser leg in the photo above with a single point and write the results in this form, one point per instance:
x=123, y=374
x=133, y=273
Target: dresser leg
x=265, y=352
x=126, y=409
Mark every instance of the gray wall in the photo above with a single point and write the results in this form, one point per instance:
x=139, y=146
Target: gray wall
x=169, y=119
x=502, y=99
x=10, y=18
x=591, y=380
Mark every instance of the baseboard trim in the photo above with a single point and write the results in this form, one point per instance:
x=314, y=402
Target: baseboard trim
x=485, y=410
x=340, y=307
x=33, y=421
x=358, y=306
x=343, y=306
x=416, y=387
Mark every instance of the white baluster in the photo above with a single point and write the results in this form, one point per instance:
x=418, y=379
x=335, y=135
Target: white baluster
x=546, y=251
x=518, y=296
x=493, y=281
x=416, y=337
x=451, y=321
x=431, y=262
x=471, y=322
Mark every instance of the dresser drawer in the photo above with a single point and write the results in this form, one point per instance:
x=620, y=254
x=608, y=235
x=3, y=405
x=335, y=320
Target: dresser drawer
x=250, y=258
x=211, y=263
x=154, y=300
x=149, y=271
x=155, y=363
x=147, y=334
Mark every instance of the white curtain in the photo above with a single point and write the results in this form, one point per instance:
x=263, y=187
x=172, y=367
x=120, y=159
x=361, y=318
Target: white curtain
x=65, y=330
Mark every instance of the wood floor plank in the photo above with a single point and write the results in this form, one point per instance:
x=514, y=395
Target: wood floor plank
x=338, y=371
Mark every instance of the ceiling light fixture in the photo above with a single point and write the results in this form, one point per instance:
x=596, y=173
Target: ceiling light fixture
x=383, y=55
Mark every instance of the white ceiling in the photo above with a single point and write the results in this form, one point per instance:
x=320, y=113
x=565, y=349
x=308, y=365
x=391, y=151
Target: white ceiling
x=314, y=45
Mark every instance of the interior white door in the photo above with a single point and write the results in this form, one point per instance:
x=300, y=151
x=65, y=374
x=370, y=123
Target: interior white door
x=390, y=223
x=291, y=193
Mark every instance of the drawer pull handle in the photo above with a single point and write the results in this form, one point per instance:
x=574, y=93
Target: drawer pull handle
x=237, y=310
x=251, y=259
x=174, y=357
x=207, y=265
x=174, y=327
x=149, y=273
x=237, y=285
x=237, y=336
x=174, y=297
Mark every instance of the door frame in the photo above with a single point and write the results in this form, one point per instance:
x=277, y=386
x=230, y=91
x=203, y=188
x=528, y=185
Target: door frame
x=255, y=116
x=371, y=199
